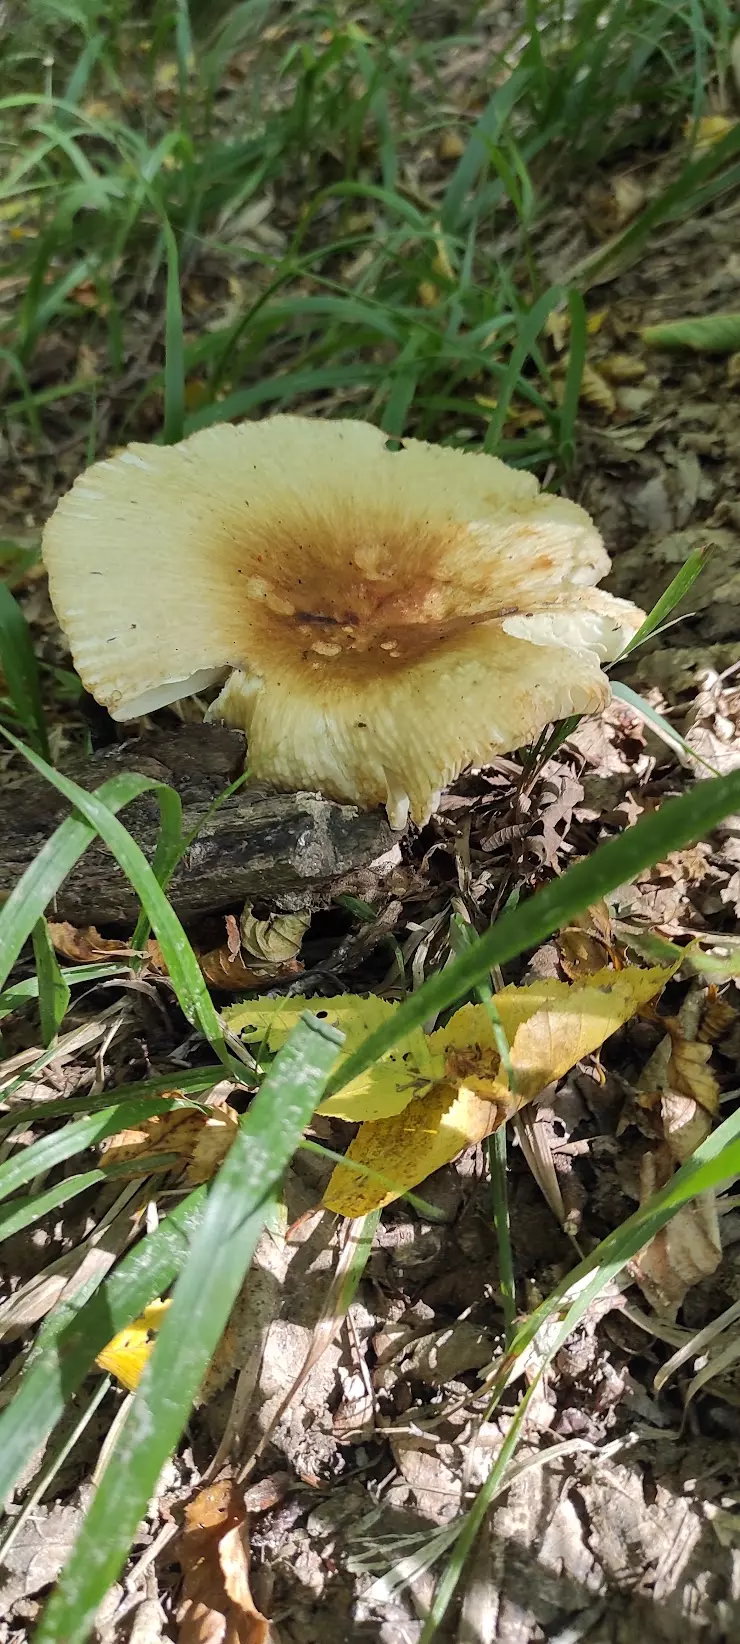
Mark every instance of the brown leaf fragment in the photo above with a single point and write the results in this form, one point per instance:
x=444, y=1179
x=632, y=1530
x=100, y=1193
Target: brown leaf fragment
x=717, y=1018
x=203, y=1139
x=217, y=1605
x=85, y=945
x=679, y=1084
x=587, y=945
x=227, y=971
x=686, y=1250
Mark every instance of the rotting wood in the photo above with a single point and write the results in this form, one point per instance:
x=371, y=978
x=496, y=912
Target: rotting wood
x=288, y=849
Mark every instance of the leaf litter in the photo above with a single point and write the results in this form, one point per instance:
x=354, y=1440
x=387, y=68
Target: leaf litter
x=385, y=1434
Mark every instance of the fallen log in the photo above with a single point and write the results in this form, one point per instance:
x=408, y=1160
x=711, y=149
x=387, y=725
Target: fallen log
x=287, y=849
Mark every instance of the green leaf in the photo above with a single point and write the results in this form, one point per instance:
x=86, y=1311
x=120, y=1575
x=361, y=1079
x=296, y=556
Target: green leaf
x=72, y=1138
x=174, y=366
x=707, y=334
x=670, y=598
x=528, y=329
x=42, y=878
x=222, y=1248
x=154, y=1091
x=76, y=1331
x=476, y=156
x=679, y=822
x=54, y=994
x=21, y=674
x=182, y=965
x=22, y=993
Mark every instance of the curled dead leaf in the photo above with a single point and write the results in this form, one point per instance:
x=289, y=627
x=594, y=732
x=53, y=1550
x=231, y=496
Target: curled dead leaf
x=679, y=1084
x=84, y=945
x=587, y=945
x=274, y=940
x=686, y=1250
x=229, y=972
x=217, y=1605
x=717, y=1018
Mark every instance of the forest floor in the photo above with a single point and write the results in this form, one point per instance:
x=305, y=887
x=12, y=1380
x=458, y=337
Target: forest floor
x=330, y=264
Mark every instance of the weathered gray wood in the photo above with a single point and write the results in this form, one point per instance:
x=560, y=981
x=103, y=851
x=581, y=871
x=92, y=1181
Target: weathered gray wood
x=288, y=849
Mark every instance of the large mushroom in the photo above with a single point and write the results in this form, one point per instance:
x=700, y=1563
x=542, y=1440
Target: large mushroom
x=386, y=617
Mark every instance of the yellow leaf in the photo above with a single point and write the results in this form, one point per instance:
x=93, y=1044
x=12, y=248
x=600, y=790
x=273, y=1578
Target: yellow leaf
x=126, y=1355
x=549, y=1027
x=704, y=133
x=405, y=1149
x=385, y=1088
x=569, y=1026
x=595, y=390
x=427, y=294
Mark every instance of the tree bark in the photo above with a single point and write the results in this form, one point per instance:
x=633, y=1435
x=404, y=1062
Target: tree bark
x=287, y=849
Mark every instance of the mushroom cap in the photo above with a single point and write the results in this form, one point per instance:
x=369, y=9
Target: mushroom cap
x=389, y=616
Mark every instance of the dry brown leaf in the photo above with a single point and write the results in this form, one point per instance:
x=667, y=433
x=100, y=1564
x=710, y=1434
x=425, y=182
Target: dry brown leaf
x=212, y=1145
x=217, y=1605
x=228, y=972
x=203, y=1139
x=587, y=945
x=688, y=1072
x=450, y=146
x=621, y=368
x=85, y=945
x=686, y=1250
x=275, y=940
x=717, y=1018
x=679, y=1083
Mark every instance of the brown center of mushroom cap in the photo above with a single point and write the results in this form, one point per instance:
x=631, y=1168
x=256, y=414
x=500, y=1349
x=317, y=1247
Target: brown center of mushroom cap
x=369, y=601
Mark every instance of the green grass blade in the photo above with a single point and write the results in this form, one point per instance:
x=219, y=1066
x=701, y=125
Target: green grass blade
x=679, y=822
x=76, y=1332
x=182, y=965
x=238, y=1204
x=174, y=367
x=528, y=330
x=180, y=1084
x=669, y=599
x=23, y=993
x=72, y=1138
x=53, y=990
x=43, y=876
x=21, y=674
x=476, y=156
x=573, y=376
x=24, y=1212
